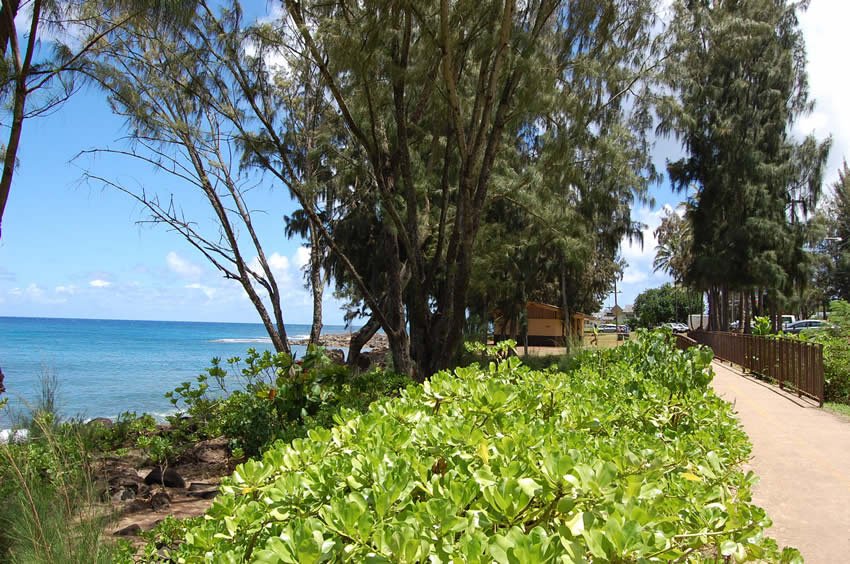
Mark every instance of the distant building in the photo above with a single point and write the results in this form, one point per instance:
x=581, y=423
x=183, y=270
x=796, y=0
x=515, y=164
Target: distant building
x=626, y=316
x=545, y=325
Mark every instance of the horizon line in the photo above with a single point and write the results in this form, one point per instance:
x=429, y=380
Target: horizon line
x=164, y=320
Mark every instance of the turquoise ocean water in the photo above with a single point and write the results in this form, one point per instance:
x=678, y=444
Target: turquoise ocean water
x=105, y=367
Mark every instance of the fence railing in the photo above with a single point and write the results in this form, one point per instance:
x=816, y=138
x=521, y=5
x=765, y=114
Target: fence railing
x=795, y=364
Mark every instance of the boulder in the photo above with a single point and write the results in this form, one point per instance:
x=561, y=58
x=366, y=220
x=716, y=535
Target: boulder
x=202, y=490
x=212, y=451
x=160, y=500
x=122, y=481
x=170, y=478
x=336, y=355
x=132, y=530
x=105, y=422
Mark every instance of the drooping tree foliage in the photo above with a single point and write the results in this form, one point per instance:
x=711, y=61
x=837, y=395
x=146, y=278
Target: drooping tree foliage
x=38, y=75
x=737, y=73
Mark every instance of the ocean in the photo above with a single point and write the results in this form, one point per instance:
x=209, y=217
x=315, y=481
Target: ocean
x=106, y=367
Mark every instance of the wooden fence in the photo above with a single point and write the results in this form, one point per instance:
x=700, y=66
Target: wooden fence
x=795, y=364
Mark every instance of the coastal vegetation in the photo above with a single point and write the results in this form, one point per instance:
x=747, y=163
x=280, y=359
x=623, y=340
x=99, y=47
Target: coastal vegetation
x=59, y=491
x=627, y=457
x=50, y=510
x=446, y=160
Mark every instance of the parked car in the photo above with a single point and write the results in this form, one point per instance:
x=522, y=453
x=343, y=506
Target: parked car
x=611, y=328
x=808, y=324
x=675, y=327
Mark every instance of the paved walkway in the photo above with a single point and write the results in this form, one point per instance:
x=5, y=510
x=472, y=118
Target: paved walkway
x=802, y=455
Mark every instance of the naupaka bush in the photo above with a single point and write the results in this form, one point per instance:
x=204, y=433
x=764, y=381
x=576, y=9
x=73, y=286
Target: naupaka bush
x=629, y=457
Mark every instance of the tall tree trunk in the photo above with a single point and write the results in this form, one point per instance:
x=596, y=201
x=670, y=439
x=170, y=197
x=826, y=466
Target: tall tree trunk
x=396, y=329
x=360, y=338
x=565, y=307
x=8, y=12
x=754, y=304
x=316, y=285
x=22, y=67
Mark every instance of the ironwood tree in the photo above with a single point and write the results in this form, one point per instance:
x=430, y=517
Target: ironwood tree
x=437, y=96
x=36, y=78
x=434, y=111
x=738, y=79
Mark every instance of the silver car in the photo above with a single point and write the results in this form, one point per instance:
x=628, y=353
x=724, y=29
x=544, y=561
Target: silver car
x=808, y=325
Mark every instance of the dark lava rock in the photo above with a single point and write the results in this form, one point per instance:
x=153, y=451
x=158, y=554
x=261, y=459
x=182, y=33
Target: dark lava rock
x=100, y=421
x=201, y=490
x=336, y=355
x=122, y=482
x=212, y=451
x=170, y=478
x=132, y=530
x=160, y=500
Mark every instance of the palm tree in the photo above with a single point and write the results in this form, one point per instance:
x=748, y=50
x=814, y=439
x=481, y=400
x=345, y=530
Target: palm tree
x=673, y=253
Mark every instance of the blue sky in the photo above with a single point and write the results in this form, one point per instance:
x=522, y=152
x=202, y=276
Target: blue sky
x=70, y=249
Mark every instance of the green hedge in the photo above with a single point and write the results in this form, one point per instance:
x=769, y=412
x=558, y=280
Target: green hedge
x=628, y=458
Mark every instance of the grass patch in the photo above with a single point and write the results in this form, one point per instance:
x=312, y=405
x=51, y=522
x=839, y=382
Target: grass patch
x=50, y=506
x=841, y=409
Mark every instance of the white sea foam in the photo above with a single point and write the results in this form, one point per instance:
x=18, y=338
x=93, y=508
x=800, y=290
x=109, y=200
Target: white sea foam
x=245, y=340
x=263, y=340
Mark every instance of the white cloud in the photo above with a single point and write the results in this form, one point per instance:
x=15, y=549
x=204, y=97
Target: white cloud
x=68, y=290
x=98, y=283
x=207, y=291
x=274, y=58
x=279, y=265
x=278, y=262
x=827, y=44
x=34, y=293
x=181, y=266
x=634, y=276
x=301, y=257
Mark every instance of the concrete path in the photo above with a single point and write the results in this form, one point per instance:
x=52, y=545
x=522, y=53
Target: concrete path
x=802, y=455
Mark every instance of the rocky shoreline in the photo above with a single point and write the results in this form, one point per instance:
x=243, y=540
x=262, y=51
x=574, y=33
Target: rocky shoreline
x=341, y=340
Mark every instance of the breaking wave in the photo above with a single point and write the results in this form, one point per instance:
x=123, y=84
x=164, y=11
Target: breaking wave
x=264, y=340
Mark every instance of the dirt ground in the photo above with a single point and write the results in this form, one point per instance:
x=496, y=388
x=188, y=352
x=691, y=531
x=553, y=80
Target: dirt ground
x=802, y=455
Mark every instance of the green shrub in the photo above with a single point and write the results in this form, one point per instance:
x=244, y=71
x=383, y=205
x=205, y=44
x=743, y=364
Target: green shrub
x=269, y=396
x=630, y=457
x=762, y=326
x=836, y=352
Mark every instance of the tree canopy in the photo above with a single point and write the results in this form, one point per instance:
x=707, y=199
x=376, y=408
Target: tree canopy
x=738, y=77
x=667, y=303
